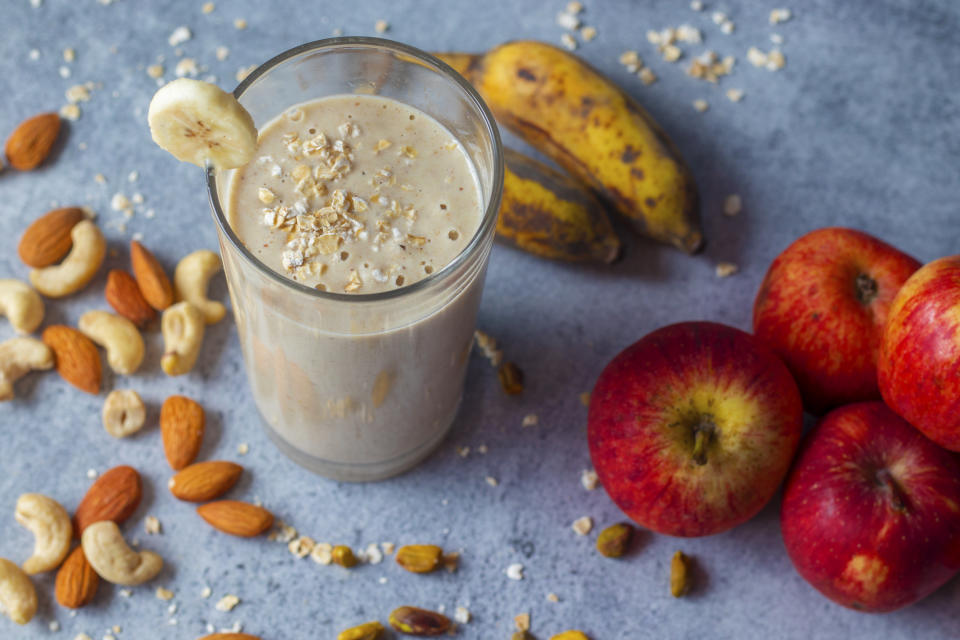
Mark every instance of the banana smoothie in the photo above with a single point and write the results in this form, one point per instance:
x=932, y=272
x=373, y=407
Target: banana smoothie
x=356, y=195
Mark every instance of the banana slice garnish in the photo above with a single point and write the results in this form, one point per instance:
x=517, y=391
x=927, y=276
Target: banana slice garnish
x=201, y=123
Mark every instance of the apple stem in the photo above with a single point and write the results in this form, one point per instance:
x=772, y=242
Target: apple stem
x=867, y=288
x=702, y=434
x=885, y=478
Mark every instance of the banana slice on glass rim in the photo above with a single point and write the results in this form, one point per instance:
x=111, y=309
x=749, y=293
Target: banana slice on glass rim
x=201, y=123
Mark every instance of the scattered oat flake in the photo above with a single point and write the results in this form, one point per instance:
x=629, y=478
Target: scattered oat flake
x=574, y=7
x=726, y=269
x=208, y=7
x=756, y=57
x=155, y=70
x=568, y=41
x=164, y=594
x=522, y=621
x=582, y=526
x=133, y=176
x=630, y=58
x=54, y=626
x=701, y=105
x=727, y=27
x=492, y=481
x=671, y=53
x=34, y=54
x=227, y=602
x=696, y=5
x=387, y=547
x=302, y=546
x=152, y=525
x=687, y=33
x=780, y=15
x=647, y=77
x=732, y=204
x=69, y=55
x=186, y=67
x=70, y=112
x=222, y=53
x=243, y=449
x=82, y=636
x=179, y=36
x=206, y=592
x=322, y=553
x=776, y=38
x=243, y=72
x=372, y=554
x=463, y=451
x=719, y=17
x=119, y=202
x=240, y=23
x=482, y=449
x=530, y=420
x=775, y=60
x=515, y=571
x=589, y=479
x=735, y=95
x=92, y=473
x=461, y=615
x=568, y=21
x=64, y=72
x=381, y=26
x=78, y=93
x=588, y=33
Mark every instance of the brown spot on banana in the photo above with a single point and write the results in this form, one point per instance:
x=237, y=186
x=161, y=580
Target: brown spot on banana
x=551, y=215
x=592, y=124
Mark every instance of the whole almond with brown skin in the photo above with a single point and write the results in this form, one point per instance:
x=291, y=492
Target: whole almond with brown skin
x=77, y=582
x=30, y=143
x=182, y=422
x=123, y=294
x=78, y=361
x=114, y=496
x=47, y=240
x=205, y=480
x=154, y=283
x=236, y=518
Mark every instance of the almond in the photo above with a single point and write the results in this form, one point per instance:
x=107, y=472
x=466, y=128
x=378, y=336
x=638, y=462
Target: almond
x=182, y=421
x=154, y=283
x=236, y=518
x=205, y=480
x=124, y=296
x=47, y=239
x=114, y=496
x=78, y=361
x=77, y=582
x=30, y=143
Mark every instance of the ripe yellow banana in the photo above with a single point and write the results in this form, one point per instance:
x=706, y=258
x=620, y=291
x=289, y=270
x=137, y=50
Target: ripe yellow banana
x=592, y=128
x=552, y=215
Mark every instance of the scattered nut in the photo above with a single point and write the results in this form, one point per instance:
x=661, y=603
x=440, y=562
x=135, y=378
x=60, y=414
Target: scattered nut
x=154, y=283
x=365, y=631
x=50, y=525
x=237, y=518
x=205, y=481
x=182, y=425
x=118, y=336
x=113, y=560
x=123, y=413
x=419, y=622
x=343, y=556
x=679, y=575
x=47, y=240
x=30, y=143
x=114, y=496
x=190, y=280
x=182, y=326
x=18, y=597
x=419, y=558
x=21, y=305
x=614, y=541
x=123, y=294
x=77, y=358
x=511, y=378
x=77, y=582
x=18, y=356
x=78, y=268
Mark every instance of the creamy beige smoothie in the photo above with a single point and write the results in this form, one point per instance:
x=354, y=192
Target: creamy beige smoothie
x=356, y=194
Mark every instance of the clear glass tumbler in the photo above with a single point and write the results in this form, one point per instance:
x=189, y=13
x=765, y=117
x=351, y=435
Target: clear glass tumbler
x=360, y=387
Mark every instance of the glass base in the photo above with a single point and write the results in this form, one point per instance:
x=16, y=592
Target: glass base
x=360, y=472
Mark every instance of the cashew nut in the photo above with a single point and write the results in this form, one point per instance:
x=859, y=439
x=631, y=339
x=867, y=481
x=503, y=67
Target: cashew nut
x=78, y=268
x=51, y=528
x=19, y=356
x=113, y=560
x=18, y=597
x=22, y=305
x=118, y=336
x=182, y=326
x=123, y=413
x=190, y=280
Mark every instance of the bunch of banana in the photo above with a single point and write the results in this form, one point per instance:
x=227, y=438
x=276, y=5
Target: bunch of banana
x=588, y=125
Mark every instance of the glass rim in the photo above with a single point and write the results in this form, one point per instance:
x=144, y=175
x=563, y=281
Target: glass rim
x=489, y=215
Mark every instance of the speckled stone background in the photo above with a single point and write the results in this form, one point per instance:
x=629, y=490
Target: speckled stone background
x=862, y=128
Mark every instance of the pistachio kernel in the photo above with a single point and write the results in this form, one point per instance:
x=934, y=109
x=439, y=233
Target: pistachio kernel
x=573, y=634
x=614, y=541
x=679, y=574
x=419, y=558
x=365, y=631
x=511, y=378
x=343, y=556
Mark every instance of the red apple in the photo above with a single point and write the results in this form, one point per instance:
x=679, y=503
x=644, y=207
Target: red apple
x=871, y=510
x=822, y=307
x=919, y=366
x=692, y=428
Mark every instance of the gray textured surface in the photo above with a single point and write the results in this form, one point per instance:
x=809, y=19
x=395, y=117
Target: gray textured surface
x=860, y=128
